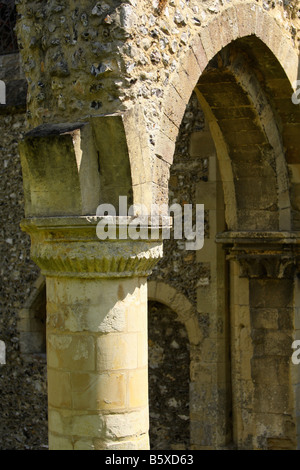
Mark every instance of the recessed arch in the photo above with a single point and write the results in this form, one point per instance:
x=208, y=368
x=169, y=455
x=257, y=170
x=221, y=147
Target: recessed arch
x=164, y=293
x=257, y=67
x=246, y=126
x=169, y=379
x=170, y=297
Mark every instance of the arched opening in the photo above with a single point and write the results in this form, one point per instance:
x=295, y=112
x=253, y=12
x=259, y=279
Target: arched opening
x=257, y=146
x=169, y=359
x=247, y=99
x=246, y=96
x=194, y=283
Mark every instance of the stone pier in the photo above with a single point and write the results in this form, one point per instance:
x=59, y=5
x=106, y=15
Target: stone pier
x=264, y=324
x=97, y=348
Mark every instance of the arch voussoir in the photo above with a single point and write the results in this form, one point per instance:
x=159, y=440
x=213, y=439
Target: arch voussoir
x=228, y=26
x=246, y=18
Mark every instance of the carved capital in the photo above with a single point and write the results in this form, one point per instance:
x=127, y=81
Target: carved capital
x=263, y=254
x=257, y=265
x=69, y=247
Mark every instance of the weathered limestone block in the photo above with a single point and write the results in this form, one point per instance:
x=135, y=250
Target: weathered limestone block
x=82, y=165
x=60, y=171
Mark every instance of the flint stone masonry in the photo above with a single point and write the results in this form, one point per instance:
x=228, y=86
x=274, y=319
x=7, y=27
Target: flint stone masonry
x=129, y=52
x=168, y=381
x=32, y=334
x=24, y=423
x=101, y=40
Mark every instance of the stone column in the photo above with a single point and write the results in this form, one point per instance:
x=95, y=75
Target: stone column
x=96, y=333
x=264, y=325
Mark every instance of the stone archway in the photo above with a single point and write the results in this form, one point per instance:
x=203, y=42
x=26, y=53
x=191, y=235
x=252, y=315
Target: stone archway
x=169, y=379
x=168, y=295
x=256, y=191
x=183, y=313
x=241, y=21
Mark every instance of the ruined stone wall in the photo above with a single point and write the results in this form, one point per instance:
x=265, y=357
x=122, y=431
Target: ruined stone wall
x=111, y=57
x=91, y=60
x=169, y=379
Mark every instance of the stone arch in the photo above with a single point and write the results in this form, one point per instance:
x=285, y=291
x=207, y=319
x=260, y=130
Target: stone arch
x=244, y=21
x=169, y=353
x=169, y=296
x=247, y=138
x=257, y=30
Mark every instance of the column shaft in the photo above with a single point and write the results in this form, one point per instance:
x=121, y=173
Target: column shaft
x=97, y=363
